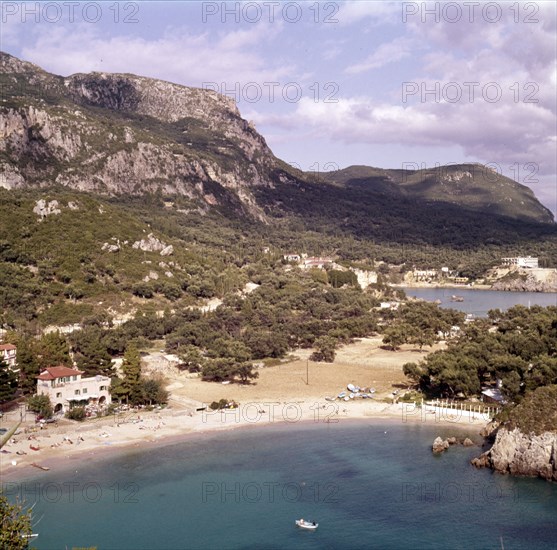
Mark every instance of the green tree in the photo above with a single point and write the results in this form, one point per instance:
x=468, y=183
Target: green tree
x=131, y=370
x=41, y=405
x=8, y=382
x=218, y=370
x=325, y=349
x=153, y=391
x=245, y=371
x=192, y=358
x=53, y=350
x=394, y=336
x=423, y=337
x=28, y=365
x=117, y=390
x=266, y=343
x=91, y=355
x=15, y=525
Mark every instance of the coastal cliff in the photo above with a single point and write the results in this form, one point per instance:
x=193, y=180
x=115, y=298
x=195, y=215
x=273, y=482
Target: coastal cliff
x=525, y=437
x=519, y=454
x=541, y=280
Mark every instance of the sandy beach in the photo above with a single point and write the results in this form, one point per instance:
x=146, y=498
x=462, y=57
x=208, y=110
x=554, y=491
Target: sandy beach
x=279, y=396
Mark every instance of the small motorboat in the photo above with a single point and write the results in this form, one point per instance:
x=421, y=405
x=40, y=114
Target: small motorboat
x=351, y=387
x=307, y=524
x=341, y=395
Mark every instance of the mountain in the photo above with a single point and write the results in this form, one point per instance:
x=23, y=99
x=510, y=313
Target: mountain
x=472, y=186
x=125, y=134
x=121, y=135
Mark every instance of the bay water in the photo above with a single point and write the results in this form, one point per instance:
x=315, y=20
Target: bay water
x=368, y=483
x=479, y=302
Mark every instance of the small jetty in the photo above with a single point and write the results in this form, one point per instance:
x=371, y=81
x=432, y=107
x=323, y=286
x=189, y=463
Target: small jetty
x=44, y=468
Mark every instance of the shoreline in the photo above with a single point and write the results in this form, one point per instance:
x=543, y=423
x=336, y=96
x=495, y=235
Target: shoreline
x=450, y=286
x=104, y=438
x=481, y=287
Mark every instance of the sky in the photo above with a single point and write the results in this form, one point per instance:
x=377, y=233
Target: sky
x=331, y=84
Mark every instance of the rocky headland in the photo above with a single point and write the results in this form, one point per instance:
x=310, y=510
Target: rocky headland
x=525, y=437
x=516, y=453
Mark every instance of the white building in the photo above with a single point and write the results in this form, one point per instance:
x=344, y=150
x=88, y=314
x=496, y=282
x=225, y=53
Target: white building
x=67, y=389
x=9, y=356
x=522, y=261
x=316, y=262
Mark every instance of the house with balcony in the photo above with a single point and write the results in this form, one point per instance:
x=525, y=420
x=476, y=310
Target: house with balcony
x=67, y=389
x=8, y=352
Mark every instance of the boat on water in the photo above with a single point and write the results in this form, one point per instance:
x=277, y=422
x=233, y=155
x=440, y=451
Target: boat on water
x=455, y=298
x=311, y=525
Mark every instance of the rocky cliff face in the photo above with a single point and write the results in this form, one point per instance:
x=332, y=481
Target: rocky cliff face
x=519, y=454
x=528, y=283
x=124, y=134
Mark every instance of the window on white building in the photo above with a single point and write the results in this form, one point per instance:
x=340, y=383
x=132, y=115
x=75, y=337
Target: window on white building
x=59, y=394
x=84, y=390
x=102, y=388
x=76, y=392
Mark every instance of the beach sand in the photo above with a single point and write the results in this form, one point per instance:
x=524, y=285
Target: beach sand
x=279, y=395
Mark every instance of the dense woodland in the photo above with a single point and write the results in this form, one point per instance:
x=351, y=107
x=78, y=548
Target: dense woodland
x=517, y=347
x=54, y=270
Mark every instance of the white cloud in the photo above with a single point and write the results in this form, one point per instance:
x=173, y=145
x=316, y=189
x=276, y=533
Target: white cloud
x=388, y=52
x=375, y=12
x=506, y=133
x=179, y=56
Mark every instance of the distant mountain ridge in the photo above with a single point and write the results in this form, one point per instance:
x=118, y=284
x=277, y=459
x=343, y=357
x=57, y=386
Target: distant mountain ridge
x=473, y=186
x=121, y=134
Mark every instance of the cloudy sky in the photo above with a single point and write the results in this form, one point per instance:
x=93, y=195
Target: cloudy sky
x=330, y=84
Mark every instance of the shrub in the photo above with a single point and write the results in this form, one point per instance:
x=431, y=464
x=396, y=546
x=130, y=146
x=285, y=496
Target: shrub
x=77, y=413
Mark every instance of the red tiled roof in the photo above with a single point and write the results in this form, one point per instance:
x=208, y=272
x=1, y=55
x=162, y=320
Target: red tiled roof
x=51, y=373
x=7, y=347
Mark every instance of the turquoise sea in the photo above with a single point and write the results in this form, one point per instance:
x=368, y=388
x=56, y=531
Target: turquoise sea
x=479, y=302
x=369, y=484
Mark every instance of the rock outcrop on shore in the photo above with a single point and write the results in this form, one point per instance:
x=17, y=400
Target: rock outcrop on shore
x=441, y=445
x=528, y=283
x=516, y=453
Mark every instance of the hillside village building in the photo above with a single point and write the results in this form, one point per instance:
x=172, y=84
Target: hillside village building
x=316, y=262
x=522, y=261
x=9, y=356
x=67, y=389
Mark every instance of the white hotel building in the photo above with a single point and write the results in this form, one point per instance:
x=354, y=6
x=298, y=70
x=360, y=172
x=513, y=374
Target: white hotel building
x=522, y=261
x=66, y=388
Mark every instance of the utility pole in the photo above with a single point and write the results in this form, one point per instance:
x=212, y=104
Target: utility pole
x=307, y=372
